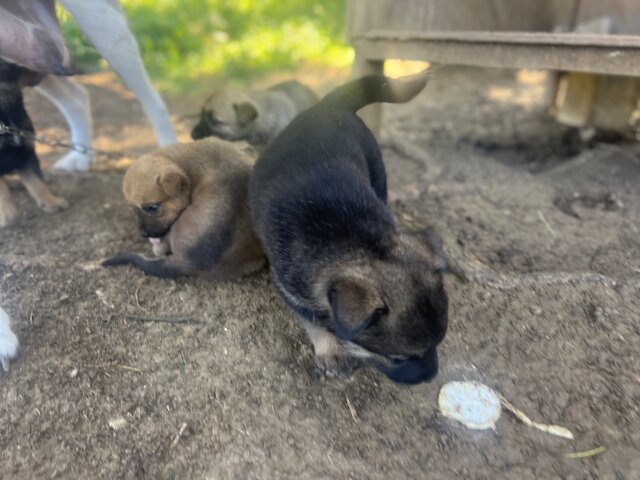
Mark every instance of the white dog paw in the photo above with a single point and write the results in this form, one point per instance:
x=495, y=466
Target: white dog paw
x=8, y=341
x=74, y=162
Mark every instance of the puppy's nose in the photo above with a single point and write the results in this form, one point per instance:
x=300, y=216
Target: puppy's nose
x=198, y=132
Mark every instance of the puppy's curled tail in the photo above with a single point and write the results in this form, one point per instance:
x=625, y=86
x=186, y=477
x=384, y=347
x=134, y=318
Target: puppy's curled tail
x=362, y=91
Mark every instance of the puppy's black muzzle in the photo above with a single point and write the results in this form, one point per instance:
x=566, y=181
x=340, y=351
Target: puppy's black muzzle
x=200, y=131
x=412, y=370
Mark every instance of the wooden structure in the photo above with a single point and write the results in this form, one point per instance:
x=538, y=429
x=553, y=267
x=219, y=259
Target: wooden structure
x=556, y=35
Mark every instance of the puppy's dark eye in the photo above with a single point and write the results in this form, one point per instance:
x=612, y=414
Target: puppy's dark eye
x=378, y=313
x=152, y=208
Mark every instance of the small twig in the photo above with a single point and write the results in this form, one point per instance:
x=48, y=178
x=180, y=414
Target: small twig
x=127, y=367
x=546, y=224
x=406, y=149
x=155, y=318
x=607, y=147
x=113, y=365
x=176, y=439
x=508, y=282
x=183, y=363
x=352, y=410
x=587, y=453
x=552, y=429
x=136, y=294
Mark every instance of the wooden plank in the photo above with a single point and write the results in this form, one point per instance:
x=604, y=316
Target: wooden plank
x=447, y=15
x=606, y=54
x=519, y=38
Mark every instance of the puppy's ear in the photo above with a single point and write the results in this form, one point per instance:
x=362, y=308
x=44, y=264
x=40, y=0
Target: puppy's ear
x=245, y=112
x=174, y=182
x=434, y=242
x=355, y=303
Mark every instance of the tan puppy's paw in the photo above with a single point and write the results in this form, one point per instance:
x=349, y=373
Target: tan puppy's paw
x=160, y=246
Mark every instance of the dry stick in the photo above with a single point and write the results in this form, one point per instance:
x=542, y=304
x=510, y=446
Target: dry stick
x=546, y=224
x=552, y=429
x=405, y=148
x=587, y=453
x=352, y=410
x=113, y=365
x=512, y=281
x=166, y=319
x=176, y=439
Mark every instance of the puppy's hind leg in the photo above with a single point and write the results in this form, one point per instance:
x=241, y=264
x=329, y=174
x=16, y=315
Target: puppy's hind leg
x=104, y=23
x=72, y=100
x=7, y=208
x=331, y=357
x=8, y=341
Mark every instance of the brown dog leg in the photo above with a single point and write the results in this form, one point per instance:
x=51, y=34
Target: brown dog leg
x=31, y=177
x=331, y=357
x=7, y=208
x=40, y=192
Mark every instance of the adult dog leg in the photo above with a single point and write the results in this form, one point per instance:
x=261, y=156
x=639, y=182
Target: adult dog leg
x=31, y=178
x=8, y=341
x=104, y=23
x=7, y=208
x=72, y=100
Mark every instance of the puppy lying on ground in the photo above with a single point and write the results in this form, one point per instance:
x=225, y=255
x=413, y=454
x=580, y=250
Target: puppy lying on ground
x=192, y=203
x=362, y=289
x=255, y=116
x=17, y=153
x=8, y=341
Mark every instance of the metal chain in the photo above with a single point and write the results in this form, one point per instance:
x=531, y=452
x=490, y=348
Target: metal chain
x=53, y=142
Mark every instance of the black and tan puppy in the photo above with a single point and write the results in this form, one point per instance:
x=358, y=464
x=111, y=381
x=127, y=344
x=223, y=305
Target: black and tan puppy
x=192, y=203
x=255, y=116
x=362, y=289
x=17, y=153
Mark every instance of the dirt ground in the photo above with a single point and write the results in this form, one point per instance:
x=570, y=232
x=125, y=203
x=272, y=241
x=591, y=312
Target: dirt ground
x=547, y=229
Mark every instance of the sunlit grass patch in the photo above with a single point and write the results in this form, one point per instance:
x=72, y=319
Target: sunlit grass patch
x=190, y=39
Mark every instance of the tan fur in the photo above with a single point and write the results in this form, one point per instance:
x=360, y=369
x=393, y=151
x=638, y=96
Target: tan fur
x=7, y=208
x=201, y=186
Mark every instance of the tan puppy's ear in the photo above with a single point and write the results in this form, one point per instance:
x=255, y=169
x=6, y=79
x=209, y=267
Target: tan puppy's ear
x=245, y=112
x=174, y=182
x=355, y=303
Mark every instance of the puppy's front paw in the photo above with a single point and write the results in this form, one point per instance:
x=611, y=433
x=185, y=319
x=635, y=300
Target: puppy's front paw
x=336, y=365
x=160, y=247
x=73, y=162
x=8, y=341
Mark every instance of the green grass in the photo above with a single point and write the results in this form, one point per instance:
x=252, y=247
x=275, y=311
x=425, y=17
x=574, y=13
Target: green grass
x=182, y=41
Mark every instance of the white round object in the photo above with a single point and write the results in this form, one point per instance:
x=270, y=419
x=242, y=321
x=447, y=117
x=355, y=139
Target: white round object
x=471, y=403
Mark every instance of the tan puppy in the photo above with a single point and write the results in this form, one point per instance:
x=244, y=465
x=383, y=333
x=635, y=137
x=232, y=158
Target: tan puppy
x=192, y=203
x=256, y=116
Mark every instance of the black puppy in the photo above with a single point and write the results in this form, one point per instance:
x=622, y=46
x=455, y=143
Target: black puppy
x=17, y=153
x=363, y=290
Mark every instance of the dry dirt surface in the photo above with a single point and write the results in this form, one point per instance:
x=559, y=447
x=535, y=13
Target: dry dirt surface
x=126, y=376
